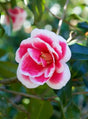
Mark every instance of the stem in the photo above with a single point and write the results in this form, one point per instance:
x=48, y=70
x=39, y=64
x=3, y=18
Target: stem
x=9, y=81
x=19, y=93
x=64, y=21
x=79, y=93
x=19, y=108
x=63, y=15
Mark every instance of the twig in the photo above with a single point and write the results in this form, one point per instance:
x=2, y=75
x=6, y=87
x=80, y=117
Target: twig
x=79, y=93
x=9, y=81
x=19, y=93
x=19, y=108
x=59, y=18
x=63, y=15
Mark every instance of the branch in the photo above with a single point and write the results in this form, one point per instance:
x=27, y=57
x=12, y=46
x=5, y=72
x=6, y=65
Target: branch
x=59, y=18
x=9, y=81
x=63, y=15
x=19, y=93
x=19, y=108
x=79, y=93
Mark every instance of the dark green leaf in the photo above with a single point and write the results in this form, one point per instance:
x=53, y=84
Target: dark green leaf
x=2, y=31
x=65, y=93
x=72, y=112
x=2, y=52
x=40, y=109
x=83, y=25
x=79, y=52
x=7, y=69
x=13, y=3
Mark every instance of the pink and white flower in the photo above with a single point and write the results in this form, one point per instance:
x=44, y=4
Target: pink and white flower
x=42, y=59
x=18, y=16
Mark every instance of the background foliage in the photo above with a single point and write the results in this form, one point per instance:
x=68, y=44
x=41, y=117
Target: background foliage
x=71, y=102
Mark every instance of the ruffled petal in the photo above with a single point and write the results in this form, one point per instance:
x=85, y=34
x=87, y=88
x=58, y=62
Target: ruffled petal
x=35, y=54
x=40, y=80
x=59, y=66
x=25, y=80
x=29, y=67
x=22, y=50
x=66, y=53
x=49, y=70
x=59, y=80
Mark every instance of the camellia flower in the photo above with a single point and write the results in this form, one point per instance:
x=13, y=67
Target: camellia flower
x=42, y=59
x=18, y=16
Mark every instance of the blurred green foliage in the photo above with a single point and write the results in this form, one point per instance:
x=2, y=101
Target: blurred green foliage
x=65, y=104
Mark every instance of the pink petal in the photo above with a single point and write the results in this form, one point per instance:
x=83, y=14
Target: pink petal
x=40, y=45
x=40, y=80
x=29, y=67
x=35, y=54
x=43, y=46
x=59, y=80
x=43, y=62
x=25, y=44
x=59, y=66
x=45, y=35
x=14, y=11
x=49, y=70
x=66, y=53
x=25, y=80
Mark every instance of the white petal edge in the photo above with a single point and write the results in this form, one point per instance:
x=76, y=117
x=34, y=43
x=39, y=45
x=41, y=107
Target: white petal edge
x=48, y=33
x=26, y=83
x=63, y=82
x=67, y=55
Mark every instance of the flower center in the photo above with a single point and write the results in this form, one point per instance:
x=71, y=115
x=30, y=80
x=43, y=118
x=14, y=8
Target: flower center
x=47, y=57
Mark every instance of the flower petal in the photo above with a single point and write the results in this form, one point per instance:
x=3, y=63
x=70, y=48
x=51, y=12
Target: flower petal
x=29, y=67
x=59, y=66
x=59, y=80
x=35, y=54
x=25, y=44
x=50, y=70
x=40, y=80
x=25, y=80
x=66, y=53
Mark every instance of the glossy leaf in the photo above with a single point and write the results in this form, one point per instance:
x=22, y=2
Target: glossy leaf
x=40, y=109
x=79, y=52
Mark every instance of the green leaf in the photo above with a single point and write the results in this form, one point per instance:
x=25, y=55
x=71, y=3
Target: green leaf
x=40, y=109
x=2, y=31
x=2, y=52
x=20, y=115
x=72, y=112
x=13, y=3
x=79, y=52
x=83, y=25
x=65, y=93
x=7, y=69
x=75, y=16
x=37, y=7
